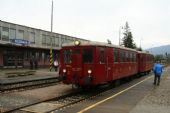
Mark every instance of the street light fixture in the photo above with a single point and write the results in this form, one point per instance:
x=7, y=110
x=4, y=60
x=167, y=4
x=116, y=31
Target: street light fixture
x=121, y=27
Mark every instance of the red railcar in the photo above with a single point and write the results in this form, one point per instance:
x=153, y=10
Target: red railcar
x=93, y=63
x=145, y=61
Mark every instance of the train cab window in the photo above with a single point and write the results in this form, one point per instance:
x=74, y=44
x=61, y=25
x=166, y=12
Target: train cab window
x=101, y=56
x=67, y=56
x=87, y=56
x=115, y=55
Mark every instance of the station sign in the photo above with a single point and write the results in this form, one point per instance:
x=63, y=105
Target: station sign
x=20, y=42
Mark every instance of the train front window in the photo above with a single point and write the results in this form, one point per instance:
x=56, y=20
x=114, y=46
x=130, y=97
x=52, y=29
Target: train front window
x=87, y=56
x=67, y=56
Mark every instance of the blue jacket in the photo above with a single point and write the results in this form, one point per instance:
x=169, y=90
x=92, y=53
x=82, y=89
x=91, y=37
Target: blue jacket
x=157, y=69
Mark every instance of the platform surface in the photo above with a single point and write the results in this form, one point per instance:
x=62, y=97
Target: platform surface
x=144, y=97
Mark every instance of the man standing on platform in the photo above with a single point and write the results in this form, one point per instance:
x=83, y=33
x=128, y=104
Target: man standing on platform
x=158, y=72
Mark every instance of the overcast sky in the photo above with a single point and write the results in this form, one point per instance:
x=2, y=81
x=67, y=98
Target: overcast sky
x=96, y=20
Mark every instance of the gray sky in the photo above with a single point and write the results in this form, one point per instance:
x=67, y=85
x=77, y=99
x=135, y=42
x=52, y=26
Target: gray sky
x=96, y=20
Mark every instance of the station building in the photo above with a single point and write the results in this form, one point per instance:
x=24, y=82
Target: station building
x=19, y=44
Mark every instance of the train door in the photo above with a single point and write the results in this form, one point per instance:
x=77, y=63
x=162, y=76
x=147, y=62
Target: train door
x=109, y=63
x=101, y=67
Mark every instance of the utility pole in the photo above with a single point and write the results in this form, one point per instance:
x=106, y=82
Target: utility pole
x=51, y=51
x=52, y=17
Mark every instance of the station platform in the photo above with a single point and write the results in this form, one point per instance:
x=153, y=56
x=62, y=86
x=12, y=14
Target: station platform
x=138, y=96
x=8, y=76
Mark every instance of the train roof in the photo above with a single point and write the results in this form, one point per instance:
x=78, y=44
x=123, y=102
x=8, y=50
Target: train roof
x=144, y=52
x=93, y=43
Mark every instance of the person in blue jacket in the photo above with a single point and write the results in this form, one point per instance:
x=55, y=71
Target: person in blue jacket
x=157, y=72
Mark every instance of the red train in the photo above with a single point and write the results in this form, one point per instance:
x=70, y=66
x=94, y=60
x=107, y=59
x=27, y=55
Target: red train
x=93, y=63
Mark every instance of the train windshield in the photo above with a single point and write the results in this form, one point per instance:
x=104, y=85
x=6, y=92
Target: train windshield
x=87, y=56
x=67, y=56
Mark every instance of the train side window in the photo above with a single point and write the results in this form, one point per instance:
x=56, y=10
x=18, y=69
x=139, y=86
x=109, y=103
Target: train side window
x=115, y=55
x=121, y=56
x=135, y=57
x=126, y=56
x=101, y=56
x=87, y=55
x=67, y=56
x=130, y=57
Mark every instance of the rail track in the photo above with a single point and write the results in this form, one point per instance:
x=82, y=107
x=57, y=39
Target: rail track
x=61, y=102
x=27, y=84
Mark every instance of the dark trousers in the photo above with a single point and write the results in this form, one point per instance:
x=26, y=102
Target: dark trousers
x=157, y=79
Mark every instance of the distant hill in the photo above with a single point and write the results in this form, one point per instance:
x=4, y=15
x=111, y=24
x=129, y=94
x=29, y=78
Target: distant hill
x=159, y=50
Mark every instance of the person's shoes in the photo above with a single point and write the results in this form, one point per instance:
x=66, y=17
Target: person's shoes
x=154, y=83
x=157, y=84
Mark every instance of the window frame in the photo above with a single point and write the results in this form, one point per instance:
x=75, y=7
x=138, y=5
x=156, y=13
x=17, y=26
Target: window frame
x=102, y=55
x=89, y=60
x=116, y=55
x=4, y=36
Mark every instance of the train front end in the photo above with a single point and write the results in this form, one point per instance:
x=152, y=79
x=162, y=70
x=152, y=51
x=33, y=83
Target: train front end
x=76, y=64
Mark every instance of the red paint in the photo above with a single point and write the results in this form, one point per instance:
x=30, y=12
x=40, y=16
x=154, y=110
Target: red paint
x=77, y=70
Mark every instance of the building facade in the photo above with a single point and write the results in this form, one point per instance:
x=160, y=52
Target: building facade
x=19, y=44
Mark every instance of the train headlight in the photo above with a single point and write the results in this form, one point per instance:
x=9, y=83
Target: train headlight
x=77, y=43
x=64, y=70
x=89, y=71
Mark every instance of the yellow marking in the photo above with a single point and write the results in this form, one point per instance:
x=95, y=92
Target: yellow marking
x=32, y=111
x=49, y=104
x=92, y=106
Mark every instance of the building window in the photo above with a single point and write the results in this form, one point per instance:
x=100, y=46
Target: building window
x=26, y=55
x=62, y=40
x=115, y=55
x=20, y=34
x=43, y=56
x=32, y=38
x=12, y=34
x=57, y=41
x=53, y=41
x=48, y=40
x=5, y=33
x=43, y=39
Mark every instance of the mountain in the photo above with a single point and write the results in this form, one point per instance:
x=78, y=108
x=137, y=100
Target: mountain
x=159, y=50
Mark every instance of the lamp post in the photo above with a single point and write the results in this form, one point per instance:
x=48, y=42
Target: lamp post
x=140, y=42
x=120, y=34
